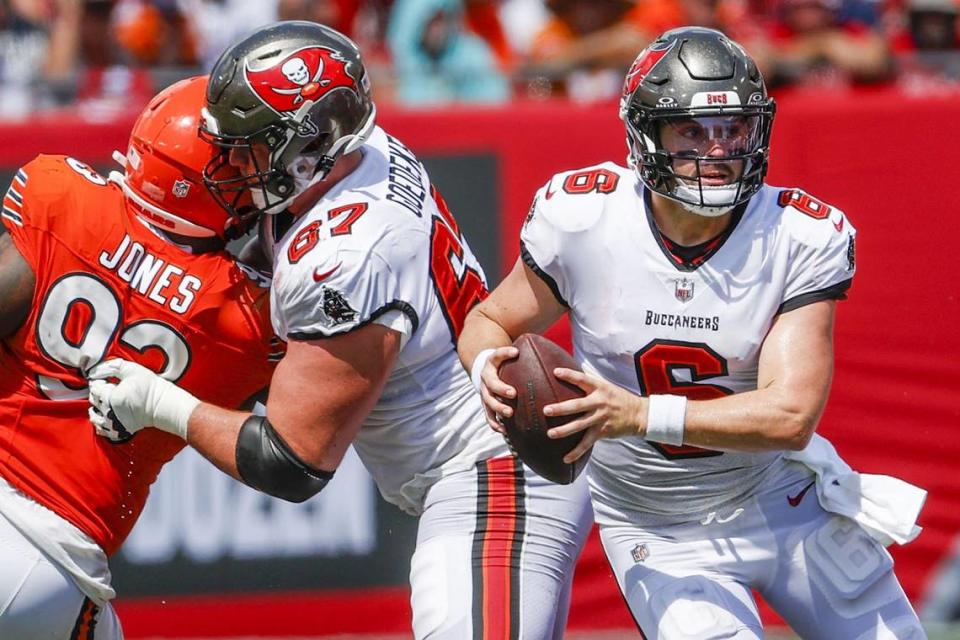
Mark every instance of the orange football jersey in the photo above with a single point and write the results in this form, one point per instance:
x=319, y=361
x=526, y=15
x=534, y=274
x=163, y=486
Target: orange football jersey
x=107, y=286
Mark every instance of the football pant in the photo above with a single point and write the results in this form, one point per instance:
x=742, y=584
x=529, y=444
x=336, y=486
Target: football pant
x=821, y=572
x=38, y=600
x=496, y=548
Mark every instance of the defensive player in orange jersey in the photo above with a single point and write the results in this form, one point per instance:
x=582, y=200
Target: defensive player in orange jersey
x=129, y=265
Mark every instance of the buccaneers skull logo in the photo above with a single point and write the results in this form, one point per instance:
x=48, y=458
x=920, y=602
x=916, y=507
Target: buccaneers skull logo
x=305, y=75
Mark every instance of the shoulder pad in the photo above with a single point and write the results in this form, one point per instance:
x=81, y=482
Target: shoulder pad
x=52, y=174
x=809, y=219
x=47, y=182
x=34, y=187
x=574, y=200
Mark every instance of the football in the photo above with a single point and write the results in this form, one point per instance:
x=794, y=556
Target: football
x=531, y=374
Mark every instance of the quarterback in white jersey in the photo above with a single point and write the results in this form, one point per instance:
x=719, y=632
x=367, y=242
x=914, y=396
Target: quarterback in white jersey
x=702, y=304
x=372, y=281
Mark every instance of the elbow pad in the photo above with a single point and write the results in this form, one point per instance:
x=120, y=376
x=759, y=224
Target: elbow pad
x=266, y=463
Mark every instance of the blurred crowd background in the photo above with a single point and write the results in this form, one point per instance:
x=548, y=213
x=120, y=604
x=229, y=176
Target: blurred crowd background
x=110, y=55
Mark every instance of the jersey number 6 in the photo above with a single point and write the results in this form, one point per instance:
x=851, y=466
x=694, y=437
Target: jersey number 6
x=656, y=365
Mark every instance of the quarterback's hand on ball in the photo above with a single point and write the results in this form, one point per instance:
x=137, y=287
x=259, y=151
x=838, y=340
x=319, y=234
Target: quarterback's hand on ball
x=609, y=411
x=492, y=388
x=140, y=398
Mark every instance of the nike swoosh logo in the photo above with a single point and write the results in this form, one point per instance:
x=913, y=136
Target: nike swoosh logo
x=838, y=225
x=795, y=500
x=549, y=193
x=320, y=277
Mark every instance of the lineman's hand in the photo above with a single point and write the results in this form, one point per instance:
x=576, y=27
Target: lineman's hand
x=139, y=399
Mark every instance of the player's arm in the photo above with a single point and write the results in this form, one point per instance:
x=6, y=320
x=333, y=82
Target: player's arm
x=320, y=394
x=521, y=303
x=17, y=283
x=794, y=374
x=793, y=382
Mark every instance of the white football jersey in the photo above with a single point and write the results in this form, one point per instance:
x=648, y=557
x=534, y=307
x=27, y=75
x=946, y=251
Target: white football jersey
x=654, y=324
x=382, y=247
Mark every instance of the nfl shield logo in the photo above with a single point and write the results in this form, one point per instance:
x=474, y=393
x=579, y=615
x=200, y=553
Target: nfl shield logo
x=683, y=289
x=640, y=553
x=181, y=188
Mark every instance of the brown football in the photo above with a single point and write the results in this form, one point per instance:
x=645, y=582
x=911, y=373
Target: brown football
x=531, y=374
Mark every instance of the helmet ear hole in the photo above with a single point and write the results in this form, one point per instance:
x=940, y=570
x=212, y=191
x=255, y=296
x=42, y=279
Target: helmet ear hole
x=284, y=185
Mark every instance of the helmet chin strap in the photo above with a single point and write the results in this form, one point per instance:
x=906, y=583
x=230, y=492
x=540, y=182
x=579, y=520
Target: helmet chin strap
x=304, y=172
x=706, y=212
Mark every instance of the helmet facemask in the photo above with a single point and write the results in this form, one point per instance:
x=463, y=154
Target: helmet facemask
x=708, y=160
x=266, y=186
x=274, y=178
x=162, y=172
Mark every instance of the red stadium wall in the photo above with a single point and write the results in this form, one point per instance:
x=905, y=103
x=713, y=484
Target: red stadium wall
x=883, y=157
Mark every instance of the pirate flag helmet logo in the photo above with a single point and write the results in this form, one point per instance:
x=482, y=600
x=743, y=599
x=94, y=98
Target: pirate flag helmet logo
x=306, y=74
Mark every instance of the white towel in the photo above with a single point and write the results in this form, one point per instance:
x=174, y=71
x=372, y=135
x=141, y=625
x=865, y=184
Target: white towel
x=887, y=508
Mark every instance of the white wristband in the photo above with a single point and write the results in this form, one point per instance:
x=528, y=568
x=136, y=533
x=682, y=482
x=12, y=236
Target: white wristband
x=173, y=409
x=478, y=364
x=665, y=419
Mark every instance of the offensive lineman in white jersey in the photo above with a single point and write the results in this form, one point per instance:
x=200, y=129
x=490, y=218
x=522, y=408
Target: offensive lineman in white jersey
x=702, y=306
x=372, y=281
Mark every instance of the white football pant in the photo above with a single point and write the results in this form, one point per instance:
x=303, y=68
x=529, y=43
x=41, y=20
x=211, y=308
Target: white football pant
x=38, y=601
x=821, y=572
x=496, y=547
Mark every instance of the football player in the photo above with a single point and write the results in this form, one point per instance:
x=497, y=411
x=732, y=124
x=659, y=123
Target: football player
x=702, y=305
x=372, y=280
x=93, y=267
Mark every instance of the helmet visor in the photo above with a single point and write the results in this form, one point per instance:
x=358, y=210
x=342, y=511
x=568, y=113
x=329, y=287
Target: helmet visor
x=721, y=137
x=712, y=151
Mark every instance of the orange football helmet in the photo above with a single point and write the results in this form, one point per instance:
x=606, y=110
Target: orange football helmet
x=163, y=177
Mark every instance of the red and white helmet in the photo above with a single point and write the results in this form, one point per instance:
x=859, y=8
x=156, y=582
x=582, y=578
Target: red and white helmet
x=163, y=167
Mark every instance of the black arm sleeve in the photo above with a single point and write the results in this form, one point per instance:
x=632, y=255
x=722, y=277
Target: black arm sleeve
x=267, y=464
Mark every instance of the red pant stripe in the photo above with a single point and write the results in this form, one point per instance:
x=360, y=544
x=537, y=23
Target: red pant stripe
x=86, y=622
x=497, y=546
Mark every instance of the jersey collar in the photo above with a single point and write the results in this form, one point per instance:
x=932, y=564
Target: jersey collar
x=685, y=258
